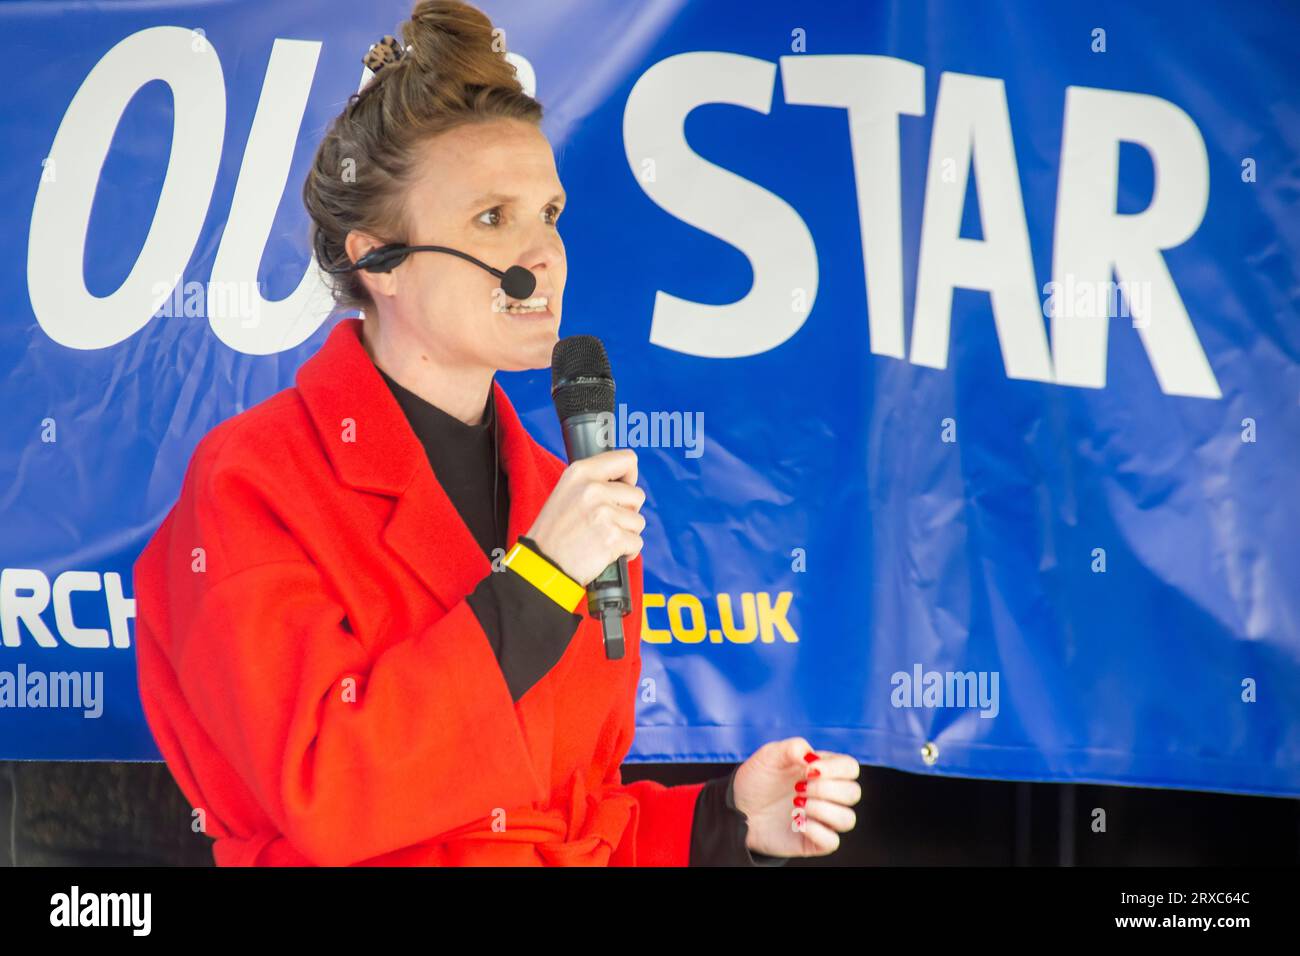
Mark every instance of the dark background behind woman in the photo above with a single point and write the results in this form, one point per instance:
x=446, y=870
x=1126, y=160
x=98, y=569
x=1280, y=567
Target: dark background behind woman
x=132, y=814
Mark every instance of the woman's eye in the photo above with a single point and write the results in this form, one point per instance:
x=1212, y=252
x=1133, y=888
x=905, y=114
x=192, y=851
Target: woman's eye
x=493, y=217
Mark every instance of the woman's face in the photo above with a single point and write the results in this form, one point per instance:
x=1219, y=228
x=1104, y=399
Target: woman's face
x=489, y=189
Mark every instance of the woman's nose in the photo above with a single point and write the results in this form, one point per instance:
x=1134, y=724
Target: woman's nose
x=544, y=254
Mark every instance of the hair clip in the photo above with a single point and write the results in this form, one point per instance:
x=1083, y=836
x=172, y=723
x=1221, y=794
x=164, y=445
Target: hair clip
x=381, y=54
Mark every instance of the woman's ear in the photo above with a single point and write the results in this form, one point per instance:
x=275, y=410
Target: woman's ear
x=377, y=284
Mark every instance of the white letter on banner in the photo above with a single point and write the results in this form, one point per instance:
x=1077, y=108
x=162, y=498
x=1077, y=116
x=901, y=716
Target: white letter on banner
x=24, y=608
x=875, y=90
x=763, y=226
x=972, y=128
x=56, y=283
x=75, y=636
x=524, y=71
x=1092, y=239
x=288, y=322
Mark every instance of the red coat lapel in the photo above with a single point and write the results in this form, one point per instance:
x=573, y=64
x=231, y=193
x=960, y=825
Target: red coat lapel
x=372, y=448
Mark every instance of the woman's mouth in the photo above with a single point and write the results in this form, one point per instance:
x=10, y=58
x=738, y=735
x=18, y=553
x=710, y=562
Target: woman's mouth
x=537, y=305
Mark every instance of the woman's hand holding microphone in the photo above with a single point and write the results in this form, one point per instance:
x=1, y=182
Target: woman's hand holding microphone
x=593, y=516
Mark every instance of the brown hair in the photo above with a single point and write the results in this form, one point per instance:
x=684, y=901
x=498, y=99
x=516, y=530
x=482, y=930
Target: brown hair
x=453, y=72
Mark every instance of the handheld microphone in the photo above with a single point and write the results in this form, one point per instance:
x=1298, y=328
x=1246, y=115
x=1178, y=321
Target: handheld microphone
x=516, y=282
x=583, y=389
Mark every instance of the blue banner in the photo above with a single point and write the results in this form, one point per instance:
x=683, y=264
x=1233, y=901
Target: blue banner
x=958, y=343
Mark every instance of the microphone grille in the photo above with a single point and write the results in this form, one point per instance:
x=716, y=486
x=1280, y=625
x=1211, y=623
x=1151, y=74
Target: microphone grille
x=581, y=380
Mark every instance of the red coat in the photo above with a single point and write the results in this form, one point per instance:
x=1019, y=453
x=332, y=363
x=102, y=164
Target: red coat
x=319, y=686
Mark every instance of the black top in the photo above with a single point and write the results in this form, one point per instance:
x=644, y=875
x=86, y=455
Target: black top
x=529, y=632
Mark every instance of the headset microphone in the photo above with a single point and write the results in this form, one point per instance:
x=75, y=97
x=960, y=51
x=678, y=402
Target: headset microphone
x=516, y=282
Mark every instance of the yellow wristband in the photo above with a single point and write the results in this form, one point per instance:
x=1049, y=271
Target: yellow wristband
x=544, y=576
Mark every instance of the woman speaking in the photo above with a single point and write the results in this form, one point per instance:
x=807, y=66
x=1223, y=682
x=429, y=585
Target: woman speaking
x=357, y=628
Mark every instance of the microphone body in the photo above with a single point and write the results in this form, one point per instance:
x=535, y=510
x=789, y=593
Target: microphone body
x=608, y=597
x=582, y=386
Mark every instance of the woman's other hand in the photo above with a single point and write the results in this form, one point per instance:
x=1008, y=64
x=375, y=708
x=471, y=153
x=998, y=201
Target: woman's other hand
x=593, y=516
x=780, y=823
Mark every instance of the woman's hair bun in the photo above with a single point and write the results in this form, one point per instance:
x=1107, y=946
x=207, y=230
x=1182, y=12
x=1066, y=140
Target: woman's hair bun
x=452, y=45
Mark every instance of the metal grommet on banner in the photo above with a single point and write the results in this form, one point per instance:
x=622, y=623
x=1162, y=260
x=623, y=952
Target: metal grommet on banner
x=930, y=754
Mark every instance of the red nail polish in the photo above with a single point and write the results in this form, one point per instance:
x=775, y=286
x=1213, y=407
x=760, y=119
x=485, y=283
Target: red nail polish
x=814, y=773
x=801, y=786
x=809, y=757
x=800, y=801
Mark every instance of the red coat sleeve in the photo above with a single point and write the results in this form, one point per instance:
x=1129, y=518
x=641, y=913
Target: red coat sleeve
x=261, y=656
x=666, y=815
